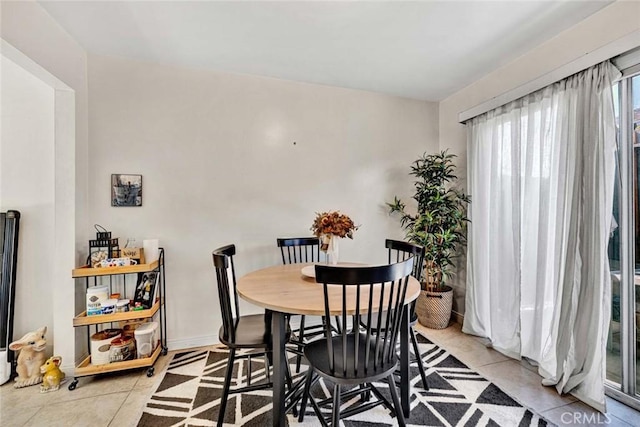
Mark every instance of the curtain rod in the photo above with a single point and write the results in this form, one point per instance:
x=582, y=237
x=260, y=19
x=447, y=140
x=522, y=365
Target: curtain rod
x=608, y=51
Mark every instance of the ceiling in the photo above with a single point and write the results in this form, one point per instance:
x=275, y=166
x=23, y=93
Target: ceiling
x=423, y=50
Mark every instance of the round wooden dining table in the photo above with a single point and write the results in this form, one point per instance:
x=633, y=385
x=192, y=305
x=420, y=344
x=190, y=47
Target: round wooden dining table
x=284, y=289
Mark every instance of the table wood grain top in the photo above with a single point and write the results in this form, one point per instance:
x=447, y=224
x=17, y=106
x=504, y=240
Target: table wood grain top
x=285, y=289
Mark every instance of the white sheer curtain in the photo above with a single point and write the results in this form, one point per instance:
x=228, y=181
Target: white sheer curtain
x=541, y=174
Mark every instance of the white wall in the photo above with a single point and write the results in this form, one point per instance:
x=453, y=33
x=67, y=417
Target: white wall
x=27, y=185
x=220, y=166
x=609, y=24
x=47, y=51
x=184, y=130
x=30, y=29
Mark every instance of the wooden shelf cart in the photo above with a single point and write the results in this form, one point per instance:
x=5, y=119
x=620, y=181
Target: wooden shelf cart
x=95, y=276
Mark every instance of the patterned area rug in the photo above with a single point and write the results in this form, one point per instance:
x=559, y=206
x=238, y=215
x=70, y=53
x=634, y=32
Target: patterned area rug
x=189, y=395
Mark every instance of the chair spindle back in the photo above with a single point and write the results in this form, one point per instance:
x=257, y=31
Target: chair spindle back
x=400, y=251
x=379, y=294
x=299, y=249
x=227, y=292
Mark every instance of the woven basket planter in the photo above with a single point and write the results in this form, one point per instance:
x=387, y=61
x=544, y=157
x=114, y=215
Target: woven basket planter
x=434, y=308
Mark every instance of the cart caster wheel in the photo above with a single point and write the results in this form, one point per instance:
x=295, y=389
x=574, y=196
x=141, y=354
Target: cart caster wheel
x=73, y=385
x=164, y=351
x=150, y=372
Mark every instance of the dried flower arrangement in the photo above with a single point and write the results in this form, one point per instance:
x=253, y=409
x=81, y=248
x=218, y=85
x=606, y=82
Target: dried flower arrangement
x=333, y=224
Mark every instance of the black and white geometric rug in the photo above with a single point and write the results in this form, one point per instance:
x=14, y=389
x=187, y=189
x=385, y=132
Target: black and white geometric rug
x=189, y=395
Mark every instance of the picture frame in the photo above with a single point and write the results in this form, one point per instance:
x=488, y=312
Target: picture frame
x=126, y=190
x=146, y=289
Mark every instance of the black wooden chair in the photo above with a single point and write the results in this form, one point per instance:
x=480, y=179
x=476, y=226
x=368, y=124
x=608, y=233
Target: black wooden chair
x=297, y=250
x=358, y=357
x=400, y=251
x=239, y=332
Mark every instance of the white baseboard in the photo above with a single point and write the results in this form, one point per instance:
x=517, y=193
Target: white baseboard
x=179, y=344
x=206, y=340
x=192, y=342
x=70, y=369
x=457, y=317
x=5, y=367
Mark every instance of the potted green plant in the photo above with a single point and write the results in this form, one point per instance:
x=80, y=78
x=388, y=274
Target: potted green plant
x=440, y=226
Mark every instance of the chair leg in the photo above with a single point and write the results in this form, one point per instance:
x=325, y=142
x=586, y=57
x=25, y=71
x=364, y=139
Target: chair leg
x=248, y=370
x=287, y=375
x=335, y=417
x=365, y=396
x=416, y=351
x=267, y=365
x=227, y=384
x=289, y=381
x=268, y=315
x=301, y=338
x=396, y=401
x=305, y=394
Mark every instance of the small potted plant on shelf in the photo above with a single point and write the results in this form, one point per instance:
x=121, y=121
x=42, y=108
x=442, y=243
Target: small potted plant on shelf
x=440, y=226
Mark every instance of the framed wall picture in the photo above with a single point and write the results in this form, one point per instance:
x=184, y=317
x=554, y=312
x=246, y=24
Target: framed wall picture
x=126, y=190
x=146, y=289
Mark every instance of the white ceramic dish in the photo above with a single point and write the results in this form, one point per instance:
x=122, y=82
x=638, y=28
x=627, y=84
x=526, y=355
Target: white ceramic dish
x=309, y=271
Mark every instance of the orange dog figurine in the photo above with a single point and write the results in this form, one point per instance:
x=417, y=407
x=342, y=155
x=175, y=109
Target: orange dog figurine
x=52, y=376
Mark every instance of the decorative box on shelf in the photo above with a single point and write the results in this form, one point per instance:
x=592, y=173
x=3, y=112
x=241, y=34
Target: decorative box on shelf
x=133, y=253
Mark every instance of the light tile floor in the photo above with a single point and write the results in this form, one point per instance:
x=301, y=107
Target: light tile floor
x=117, y=399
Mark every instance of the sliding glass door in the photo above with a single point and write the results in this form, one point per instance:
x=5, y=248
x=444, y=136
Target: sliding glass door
x=623, y=367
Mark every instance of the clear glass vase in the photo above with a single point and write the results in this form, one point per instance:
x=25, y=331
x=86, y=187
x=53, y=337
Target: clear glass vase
x=329, y=245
